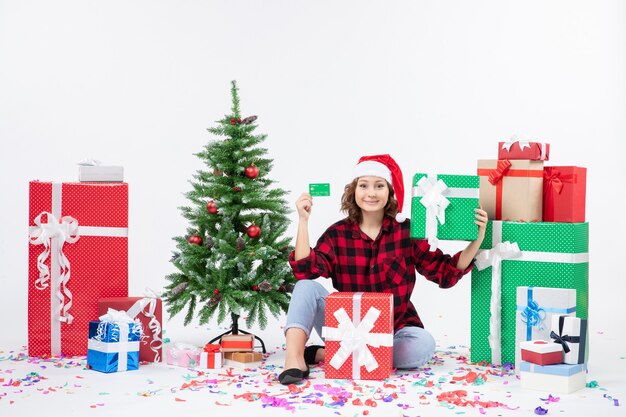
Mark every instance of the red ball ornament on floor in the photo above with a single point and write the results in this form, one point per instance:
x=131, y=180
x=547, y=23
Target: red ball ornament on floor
x=211, y=207
x=254, y=231
x=195, y=240
x=252, y=171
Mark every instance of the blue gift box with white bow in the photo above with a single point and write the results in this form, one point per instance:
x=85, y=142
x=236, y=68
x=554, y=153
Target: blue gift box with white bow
x=113, y=344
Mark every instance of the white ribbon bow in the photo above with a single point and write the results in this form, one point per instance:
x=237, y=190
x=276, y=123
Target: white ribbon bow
x=522, y=144
x=356, y=339
x=154, y=325
x=52, y=234
x=433, y=199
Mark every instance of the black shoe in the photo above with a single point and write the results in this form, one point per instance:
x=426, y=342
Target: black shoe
x=309, y=354
x=293, y=376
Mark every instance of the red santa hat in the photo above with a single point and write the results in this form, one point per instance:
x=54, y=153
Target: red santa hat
x=385, y=167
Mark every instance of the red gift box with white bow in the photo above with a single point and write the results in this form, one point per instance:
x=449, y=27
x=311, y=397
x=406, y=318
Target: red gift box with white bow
x=358, y=335
x=78, y=254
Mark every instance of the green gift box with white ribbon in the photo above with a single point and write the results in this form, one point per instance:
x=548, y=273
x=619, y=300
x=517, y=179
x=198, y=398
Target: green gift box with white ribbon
x=442, y=207
x=515, y=254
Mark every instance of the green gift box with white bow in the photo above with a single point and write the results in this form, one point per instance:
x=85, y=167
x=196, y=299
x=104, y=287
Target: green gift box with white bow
x=442, y=207
x=515, y=254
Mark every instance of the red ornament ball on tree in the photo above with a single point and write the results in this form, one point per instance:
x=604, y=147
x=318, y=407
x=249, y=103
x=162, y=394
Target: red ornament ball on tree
x=255, y=288
x=252, y=171
x=195, y=240
x=254, y=231
x=211, y=207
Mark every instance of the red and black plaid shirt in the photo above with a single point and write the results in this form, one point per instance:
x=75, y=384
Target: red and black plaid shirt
x=355, y=262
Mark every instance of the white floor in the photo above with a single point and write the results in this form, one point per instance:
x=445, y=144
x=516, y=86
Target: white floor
x=58, y=387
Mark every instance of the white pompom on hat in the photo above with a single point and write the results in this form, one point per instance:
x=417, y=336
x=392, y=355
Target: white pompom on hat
x=383, y=166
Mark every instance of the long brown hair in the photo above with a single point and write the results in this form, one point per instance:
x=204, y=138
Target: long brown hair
x=352, y=209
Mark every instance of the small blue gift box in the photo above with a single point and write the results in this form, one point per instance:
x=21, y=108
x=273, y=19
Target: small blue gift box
x=113, y=346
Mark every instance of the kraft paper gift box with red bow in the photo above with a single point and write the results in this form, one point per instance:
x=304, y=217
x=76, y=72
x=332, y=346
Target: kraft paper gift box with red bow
x=358, y=335
x=536, y=306
x=511, y=190
x=564, y=194
x=243, y=359
x=148, y=310
x=520, y=149
x=443, y=206
x=237, y=343
x=541, y=352
x=515, y=254
x=182, y=354
x=78, y=254
x=114, y=343
x=571, y=334
x=562, y=378
x=211, y=357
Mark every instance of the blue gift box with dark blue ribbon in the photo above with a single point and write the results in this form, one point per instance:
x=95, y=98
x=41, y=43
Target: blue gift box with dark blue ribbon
x=113, y=346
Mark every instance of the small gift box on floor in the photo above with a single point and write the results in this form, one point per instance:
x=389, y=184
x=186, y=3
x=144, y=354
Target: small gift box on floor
x=358, y=335
x=113, y=344
x=182, y=354
x=211, y=357
x=443, y=206
x=243, y=359
x=523, y=149
x=562, y=378
x=571, y=334
x=148, y=310
x=541, y=352
x=237, y=343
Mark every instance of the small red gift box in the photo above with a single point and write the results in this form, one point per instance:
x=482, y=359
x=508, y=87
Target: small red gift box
x=541, y=352
x=237, y=343
x=564, y=194
x=358, y=335
x=149, y=311
x=78, y=254
x=520, y=149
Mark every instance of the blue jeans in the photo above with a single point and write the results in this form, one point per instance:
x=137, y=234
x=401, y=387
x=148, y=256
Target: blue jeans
x=412, y=346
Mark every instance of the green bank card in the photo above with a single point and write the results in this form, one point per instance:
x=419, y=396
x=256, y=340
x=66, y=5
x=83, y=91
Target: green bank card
x=319, y=190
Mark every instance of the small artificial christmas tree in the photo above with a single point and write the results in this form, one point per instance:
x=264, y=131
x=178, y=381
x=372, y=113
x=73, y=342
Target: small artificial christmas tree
x=234, y=256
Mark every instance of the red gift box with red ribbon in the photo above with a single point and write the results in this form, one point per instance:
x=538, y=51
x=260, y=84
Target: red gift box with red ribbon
x=358, y=335
x=521, y=149
x=564, y=194
x=78, y=253
x=149, y=311
x=511, y=190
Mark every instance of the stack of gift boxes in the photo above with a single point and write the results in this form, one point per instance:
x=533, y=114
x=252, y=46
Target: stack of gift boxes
x=532, y=269
x=78, y=301
x=233, y=351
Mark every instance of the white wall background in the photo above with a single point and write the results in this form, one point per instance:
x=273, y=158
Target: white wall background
x=435, y=84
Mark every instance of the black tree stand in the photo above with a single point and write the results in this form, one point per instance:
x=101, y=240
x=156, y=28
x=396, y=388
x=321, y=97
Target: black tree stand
x=234, y=329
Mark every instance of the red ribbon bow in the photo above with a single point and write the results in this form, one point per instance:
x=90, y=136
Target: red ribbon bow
x=496, y=175
x=552, y=180
x=211, y=348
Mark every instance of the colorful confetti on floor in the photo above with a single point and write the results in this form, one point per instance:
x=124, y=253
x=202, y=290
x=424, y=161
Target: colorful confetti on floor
x=449, y=385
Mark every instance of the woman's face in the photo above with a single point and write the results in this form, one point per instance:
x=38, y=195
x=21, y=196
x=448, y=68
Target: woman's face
x=371, y=194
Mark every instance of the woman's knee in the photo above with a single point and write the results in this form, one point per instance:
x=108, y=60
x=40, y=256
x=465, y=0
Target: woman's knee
x=413, y=347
